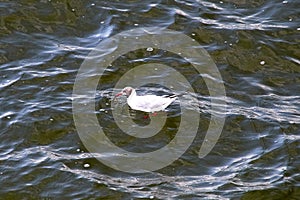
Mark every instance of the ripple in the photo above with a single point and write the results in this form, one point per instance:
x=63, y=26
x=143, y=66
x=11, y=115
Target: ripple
x=254, y=45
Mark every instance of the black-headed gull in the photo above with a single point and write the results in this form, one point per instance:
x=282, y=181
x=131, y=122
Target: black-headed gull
x=146, y=103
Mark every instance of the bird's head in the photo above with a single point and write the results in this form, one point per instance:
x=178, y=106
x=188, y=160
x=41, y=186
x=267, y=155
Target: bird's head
x=126, y=91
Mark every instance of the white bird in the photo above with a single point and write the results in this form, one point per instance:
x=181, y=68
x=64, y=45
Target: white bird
x=146, y=103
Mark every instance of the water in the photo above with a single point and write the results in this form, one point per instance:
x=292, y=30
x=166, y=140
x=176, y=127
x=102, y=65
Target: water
x=255, y=45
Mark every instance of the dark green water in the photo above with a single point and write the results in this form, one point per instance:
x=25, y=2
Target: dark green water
x=255, y=45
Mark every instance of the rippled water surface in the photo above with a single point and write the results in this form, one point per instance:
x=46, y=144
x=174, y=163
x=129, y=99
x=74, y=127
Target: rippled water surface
x=255, y=45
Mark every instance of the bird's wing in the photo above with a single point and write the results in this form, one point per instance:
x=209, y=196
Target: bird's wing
x=149, y=103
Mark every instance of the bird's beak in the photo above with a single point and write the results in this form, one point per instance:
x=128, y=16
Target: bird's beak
x=118, y=94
